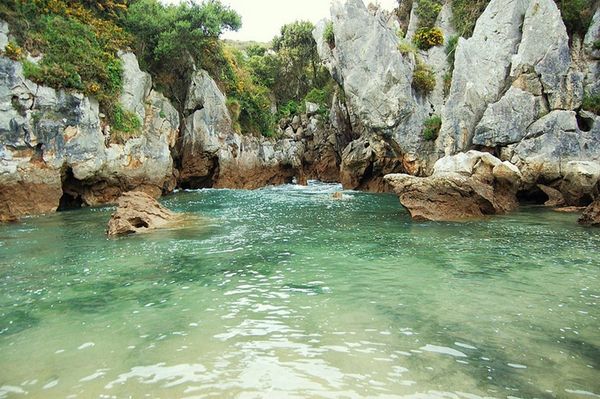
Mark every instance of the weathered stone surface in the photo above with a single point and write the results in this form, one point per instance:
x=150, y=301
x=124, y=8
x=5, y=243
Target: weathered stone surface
x=506, y=121
x=55, y=141
x=468, y=185
x=136, y=85
x=363, y=160
x=551, y=143
x=580, y=182
x=555, y=197
x=544, y=48
x=591, y=215
x=137, y=212
x=3, y=34
x=482, y=64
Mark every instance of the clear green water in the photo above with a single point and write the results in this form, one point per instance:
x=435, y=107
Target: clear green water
x=284, y=292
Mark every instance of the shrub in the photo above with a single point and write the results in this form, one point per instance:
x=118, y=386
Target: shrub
x=406, y=47
x=591, y=103
x=423, y=79
x=426, y=38
x=465, y=14
x=431, y=127
x=596, y=45
x=328, y=35
x=288, y=109
x=577, y=15
x=428, y=11
x=447, y=83
x=13, y=51
x=125, y=124
x=451, y=50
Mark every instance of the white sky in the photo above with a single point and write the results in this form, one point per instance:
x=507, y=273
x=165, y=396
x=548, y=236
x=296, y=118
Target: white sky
x=262, y=19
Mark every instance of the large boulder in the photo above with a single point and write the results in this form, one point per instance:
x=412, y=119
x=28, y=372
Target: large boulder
x=591, y=215
x=465, y=186
x=137, y=212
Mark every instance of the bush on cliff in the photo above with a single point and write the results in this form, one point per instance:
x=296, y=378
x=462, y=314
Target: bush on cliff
x=591, y=103
x=423, y=78
x=465, y=14
x=431, y=127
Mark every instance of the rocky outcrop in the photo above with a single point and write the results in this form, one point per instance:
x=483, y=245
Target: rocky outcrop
x=464, y=186
x=56, y=148
x=137, y=212
x=591, y=215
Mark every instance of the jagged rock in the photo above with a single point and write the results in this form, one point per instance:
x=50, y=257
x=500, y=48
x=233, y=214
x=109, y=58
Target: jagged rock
x=506, y=121
x=468, y=185
x=592, y=78
x=544, y=48
x=136, y=85
x=364, y=160
x=311, y=108
x=54, y=143
x=204, y=95
x=137, y=212
x=480, y=70
x=295, y=122
x=3, y=34
x=551, y=143
x=555, y=197
x=580, y=182
x=591, y=215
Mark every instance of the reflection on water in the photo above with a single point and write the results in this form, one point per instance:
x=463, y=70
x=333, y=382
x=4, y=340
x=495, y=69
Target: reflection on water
x=286, y=292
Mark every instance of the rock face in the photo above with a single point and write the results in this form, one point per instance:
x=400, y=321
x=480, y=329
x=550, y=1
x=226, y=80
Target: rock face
x=137, y=212
x=464, y=186
x=56, y=150
x=591, y=215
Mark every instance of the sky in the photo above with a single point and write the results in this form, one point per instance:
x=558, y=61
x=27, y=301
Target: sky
x=262, y=19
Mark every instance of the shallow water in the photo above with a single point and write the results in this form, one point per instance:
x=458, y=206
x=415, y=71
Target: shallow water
x=285, y=292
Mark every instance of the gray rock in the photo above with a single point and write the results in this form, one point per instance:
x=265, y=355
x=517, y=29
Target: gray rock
x=592, y=35
x=204, y=95
x=544, y=47
x=481, y=68
x=506, y=121
x=3, y=34
x=311, y=108
x=136, y=85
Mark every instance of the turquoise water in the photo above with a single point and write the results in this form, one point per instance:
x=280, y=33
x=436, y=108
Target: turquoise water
x=286, y=293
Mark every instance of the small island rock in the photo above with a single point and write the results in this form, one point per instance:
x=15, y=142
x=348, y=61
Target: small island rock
x=138, y=212
x=591, y=215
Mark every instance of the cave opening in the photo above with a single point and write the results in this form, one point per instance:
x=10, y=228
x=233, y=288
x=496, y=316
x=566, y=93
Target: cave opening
x=71, y=198
x=532, y=196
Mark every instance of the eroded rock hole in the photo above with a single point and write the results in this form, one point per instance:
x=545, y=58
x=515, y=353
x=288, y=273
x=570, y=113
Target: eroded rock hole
x=584, y=124
x=138, y=223
x=71, y=198
x=532, y=196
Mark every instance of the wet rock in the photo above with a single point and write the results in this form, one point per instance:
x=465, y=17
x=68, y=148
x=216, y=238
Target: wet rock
x=468, y=185
x=555, y=197
x=137, y=212
x=591, y=215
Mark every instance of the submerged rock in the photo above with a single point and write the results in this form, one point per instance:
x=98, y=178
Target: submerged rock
x=591, y=215
x=465, y=186
x=137, y=212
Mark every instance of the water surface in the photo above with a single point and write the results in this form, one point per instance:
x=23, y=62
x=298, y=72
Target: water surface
x=287, y=293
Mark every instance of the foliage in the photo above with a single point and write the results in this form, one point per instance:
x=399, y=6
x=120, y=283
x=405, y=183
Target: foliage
x=79, y=41
x=431, y=127
x=465, y=14
x=591, y=103
x=125, y=124
x=451, y=50
x=300, y=67
x=288, y=109
x=264, y=69
x=406, y=47
x=447, y=83
x=596, y=45
x=577, y=14
x=171, y=40
x=328, y=34
x=428, y=11
x=423, y=78
x=403, y=13
x=13, y=51
x=425, y=38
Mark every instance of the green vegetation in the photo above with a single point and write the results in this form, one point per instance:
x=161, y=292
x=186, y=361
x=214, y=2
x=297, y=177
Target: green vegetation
x=423, y=78
x=13, y=51
x=426, y=38
x=577, y=15
x=125, y=124
x=403, y=13
x=406, y=47
x=431, y=127
x=465, y=14
x=596, y=45
x=328, y=34
x=591, y=103
x=428, y=11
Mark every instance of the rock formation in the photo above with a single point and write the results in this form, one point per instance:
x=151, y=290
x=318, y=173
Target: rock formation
x=464, y=186
x=591, y=215
x=56, y=146
x=137, y=212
